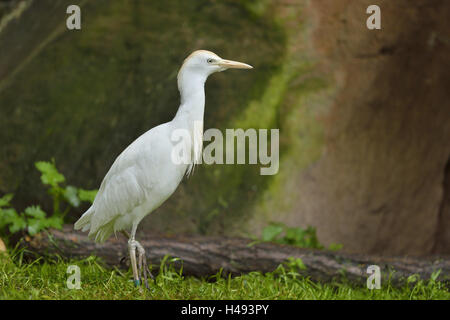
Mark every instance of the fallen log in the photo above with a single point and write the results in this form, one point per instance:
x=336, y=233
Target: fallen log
x=205, y=256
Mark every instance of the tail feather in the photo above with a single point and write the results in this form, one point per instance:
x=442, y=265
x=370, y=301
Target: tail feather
x=101, y=234
x=84, y=222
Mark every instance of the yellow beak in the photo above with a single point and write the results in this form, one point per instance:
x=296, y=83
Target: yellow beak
x=234, y=64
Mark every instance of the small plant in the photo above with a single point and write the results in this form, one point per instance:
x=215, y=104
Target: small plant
x=306, y=238
x=295, y=264
x=71, y=195
x=33, y=219
x=170, y=270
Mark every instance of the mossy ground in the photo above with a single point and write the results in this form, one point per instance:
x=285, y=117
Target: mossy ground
x=47, y=280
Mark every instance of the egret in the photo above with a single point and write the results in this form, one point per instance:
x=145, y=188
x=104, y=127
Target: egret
x=144, y=175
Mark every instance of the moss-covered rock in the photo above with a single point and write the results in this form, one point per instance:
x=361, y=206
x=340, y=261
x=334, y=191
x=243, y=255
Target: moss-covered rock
x=362, y=114
x=82, y=96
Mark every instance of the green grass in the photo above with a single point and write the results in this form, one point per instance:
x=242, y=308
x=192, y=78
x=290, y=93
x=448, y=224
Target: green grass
x=47, y=280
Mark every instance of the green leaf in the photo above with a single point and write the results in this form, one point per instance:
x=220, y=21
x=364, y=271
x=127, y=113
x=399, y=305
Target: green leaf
x=70, y=194
x=87, y=195
x=49, y=173
x=412, y=278
x=295, y=236
x=271, y=232
x=7, y=216
x=296, y=263
x=54, y=222
x=435, y=275
x=335, y=246
x=4, y=201
x=18, y=224
x=35, y=225
x=35, y=212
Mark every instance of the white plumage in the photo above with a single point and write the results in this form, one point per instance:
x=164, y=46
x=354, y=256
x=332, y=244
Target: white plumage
x=144, y=175
x=141, y=178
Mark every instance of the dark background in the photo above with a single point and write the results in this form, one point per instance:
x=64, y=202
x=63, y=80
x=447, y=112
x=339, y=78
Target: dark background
x=363, y=114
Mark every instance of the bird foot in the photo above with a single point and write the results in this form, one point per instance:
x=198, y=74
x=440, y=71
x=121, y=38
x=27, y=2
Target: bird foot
x=140, y=275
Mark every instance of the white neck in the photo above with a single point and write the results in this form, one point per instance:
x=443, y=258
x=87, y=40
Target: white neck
x=192, y=90
x=192, y=107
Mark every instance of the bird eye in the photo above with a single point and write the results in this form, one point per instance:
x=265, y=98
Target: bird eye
x=210, y=60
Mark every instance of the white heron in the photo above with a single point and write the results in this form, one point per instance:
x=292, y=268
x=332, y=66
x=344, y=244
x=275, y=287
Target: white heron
x=144, y=175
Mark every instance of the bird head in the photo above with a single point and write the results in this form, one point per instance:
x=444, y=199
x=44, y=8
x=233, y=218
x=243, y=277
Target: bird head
x=205, y=63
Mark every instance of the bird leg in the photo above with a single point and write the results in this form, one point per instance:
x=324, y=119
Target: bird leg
x=132, y=249
x=143, y=270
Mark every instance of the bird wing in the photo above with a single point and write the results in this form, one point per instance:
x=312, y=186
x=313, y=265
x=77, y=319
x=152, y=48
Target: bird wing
x=128, y=182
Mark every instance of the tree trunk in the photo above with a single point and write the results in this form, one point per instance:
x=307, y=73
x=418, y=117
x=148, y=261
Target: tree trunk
x=205, y=256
